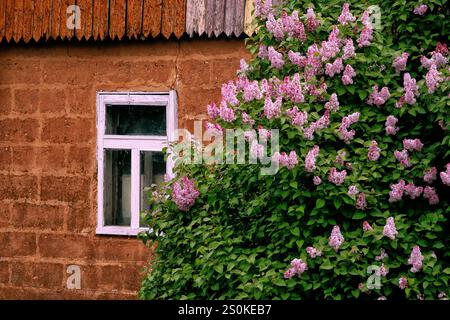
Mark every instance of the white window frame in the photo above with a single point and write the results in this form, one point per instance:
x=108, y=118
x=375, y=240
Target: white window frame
x=135, y=143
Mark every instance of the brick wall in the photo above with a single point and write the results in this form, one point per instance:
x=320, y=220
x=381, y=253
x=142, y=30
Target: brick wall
x=48, y=149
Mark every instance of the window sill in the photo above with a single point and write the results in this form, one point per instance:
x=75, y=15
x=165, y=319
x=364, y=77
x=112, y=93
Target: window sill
x=119, y=231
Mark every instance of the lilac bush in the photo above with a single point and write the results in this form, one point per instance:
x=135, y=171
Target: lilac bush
x=361, y=98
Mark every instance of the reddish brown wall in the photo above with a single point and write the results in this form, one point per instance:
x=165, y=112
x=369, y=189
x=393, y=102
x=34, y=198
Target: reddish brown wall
x=47, y=155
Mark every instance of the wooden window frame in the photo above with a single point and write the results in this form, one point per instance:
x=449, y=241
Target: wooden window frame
x=134, y=143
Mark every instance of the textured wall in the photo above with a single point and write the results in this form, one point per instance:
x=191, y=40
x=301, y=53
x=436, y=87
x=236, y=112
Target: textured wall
x=48, y=150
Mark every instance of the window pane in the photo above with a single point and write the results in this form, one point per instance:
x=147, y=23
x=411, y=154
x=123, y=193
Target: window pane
x=153, y=169
x=117, y=187
x=136, y=120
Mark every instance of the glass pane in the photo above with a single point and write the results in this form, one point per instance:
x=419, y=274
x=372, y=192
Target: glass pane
x=117, y=187
x=153, y=169
x=136, y=120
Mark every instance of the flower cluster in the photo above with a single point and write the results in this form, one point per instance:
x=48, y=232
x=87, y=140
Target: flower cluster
x=412, y=191
x=431, y=195
x=397, y=191
x=390, y=125
x=352, y=190
x=226, y=113
x=365, y=38
x=382, y=255
x=416, y=259
x=420, y=9
x=403, y=157
x=297, y=268
x=292, y=89
x=313, y=252
x=321, y=123
x=348, y=49
x=298, y=118
x=310, y=161
x=333, y=103
x=374, y=151
x=445, y=175
x=272, y=109
x=336, y=239
x=334, y=68
x=378, y=98
x=288, y=161
x=412, y=144
x=337, y=177
x=400, y=62
x=184, y=193
x=263, y=8
x=275, y=58
x=311, y=21
x=366, y=226
x=347, y=121
x=389, y=229
x=361, y=201
x=411, y=91
x=402, y=283
x=430, y=175
x=347, y=77
x=346, y=15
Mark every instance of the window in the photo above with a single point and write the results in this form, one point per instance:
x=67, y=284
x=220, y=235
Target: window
x=132, y=129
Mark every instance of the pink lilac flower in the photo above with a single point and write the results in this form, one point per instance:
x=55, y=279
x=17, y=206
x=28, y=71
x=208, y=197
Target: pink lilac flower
x=310, y=161
x=184, y=193
x=402, y=283
x=272, y=109
x=297, y=59
x=382, y=255
x=297, y=268
x=293, y=26
x=334, y=68
x=215, y=128
x=412, y=144
x=264, y=134
x=337, y=177
x=348, y=49
x=330, y=48
x=400, y=62
x=374, y=152
x=390, y=124
x=246, y=119
x=346, y=15
x=420, y=9
x=361, y=201
x=252, y=91
x=298, y=118
x=382, y=271
x=313, y=252
x=347, y=121
x=275, y=27
x=333, y=103
x=263, y=8
x=256, y=150
x=317, y=180
x=213, y=111
x=226, y=113
x=445, y=175
x=442, y=296
x=249, y=135
x=275, y=58
x=431, y=194
x=441, y=48
x=229, y=92
x=367, y=226
x=288, y=161
x=321, y=123
x=311, y=22
x=292, y=89
x=389, y=229
x=365, y=37
x=416, y=259
x=430, y=175
x=378, y=98
x=397, y=191
x=347, y=77
x=403, y=158
x=412, y=191
x=263, y=53
x=336, y=239
x=433, y=78
x=352, y=190
x=410, y=88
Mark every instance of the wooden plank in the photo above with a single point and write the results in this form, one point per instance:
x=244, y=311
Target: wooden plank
x=239, y=18
x=180, y=18
x=47, y=14
x=18, y=20
x=117, y=16
x=86, y=12
x=151, y=23
x=134, y=18
x=230, y=13
x=196, y=17
x=9, y=20
x=168, y=18
x=219, y=17
x=64, y=31
x=249, y=27
x=28, y=9
x=209, y=17
x=55, y=19
x=2, y=19
x=100, y=19
x=36, y=24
